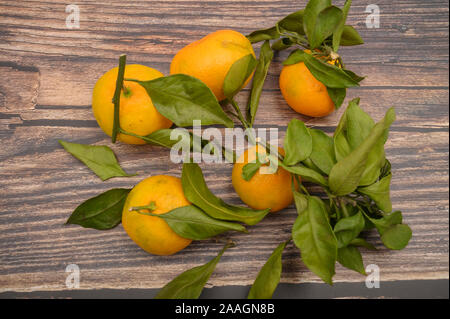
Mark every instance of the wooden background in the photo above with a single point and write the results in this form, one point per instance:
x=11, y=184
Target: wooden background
x=47, y=73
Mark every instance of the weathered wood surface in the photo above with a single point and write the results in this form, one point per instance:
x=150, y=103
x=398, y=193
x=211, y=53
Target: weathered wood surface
x=47, y=75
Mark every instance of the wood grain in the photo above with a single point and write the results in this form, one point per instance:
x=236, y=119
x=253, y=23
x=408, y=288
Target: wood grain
x=47, y=75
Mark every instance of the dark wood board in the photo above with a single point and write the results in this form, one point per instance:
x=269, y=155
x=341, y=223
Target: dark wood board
x=47, y=75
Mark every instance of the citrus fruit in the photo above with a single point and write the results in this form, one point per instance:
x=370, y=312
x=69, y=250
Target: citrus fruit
x=303, y=92
x=152, y=233
x=137, y=113
x=210, y=58
x=262, y=191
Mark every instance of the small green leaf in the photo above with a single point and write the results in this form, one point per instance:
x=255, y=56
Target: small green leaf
x=380, y=193
x=269, y=276
x=331, y=76
x=347, y=229
x=360, y=242
x=337, y=96
x=314, y=237
x=306, y=173
x=326, y=23
x=191, y=222
x=190, y=284
x=384, y=223
x=182, y=99
x=350, y=37
x=397, y=236
x=297, y=143
x=99, y=158
x=264, y=60
x=197, y=192
x=322, y=154
x=346, y=174
x=292, y=25
x=337, y=35
x=351, y=258
x=250, y=169
x=263, y=35
x=101, y=212
x=301, y=201
x=237, y=75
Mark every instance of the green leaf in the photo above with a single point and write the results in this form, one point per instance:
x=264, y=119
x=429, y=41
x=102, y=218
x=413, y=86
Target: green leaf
x=397, y=237
x=353, y=129
x=189, y=284
x=269, y=276
x=360, y=242
x=301, y=201
x=237, y=75
x=348, y=228
x=264, y=60
x=250, y=169
x=322, y=154
x=292, y=24
x=99, y=158
x=314, y=237
x=350, y=37
x=101, y=212
x=337, y=96
x=307, y=174
x=341, y=146
x=182, y=98
x=310, y=14
x=340, y=28
x=263, y=35
x=351, y=258
x=380, y=193
x=346, y=174
x=326, y=23
x=387, y=221
x=297, y=143
x=331, y=76
x=197, y=192
x=191, y=222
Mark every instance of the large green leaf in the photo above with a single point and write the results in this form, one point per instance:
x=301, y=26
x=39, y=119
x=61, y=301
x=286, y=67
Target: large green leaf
x=189, y=284
x=197, y=192
x=191, y=222
x=322, y=154
x=346, y=174
x=314, y=237
x=101, y=212
x=99, y=158
x=182, y=99
x=265, y=57
x=238, y=74
x=297, y=143
x=380, y=193
x=337, y=95
x=269, y=276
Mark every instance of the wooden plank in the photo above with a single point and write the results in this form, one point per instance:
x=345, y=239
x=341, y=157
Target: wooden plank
x=406, y=64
